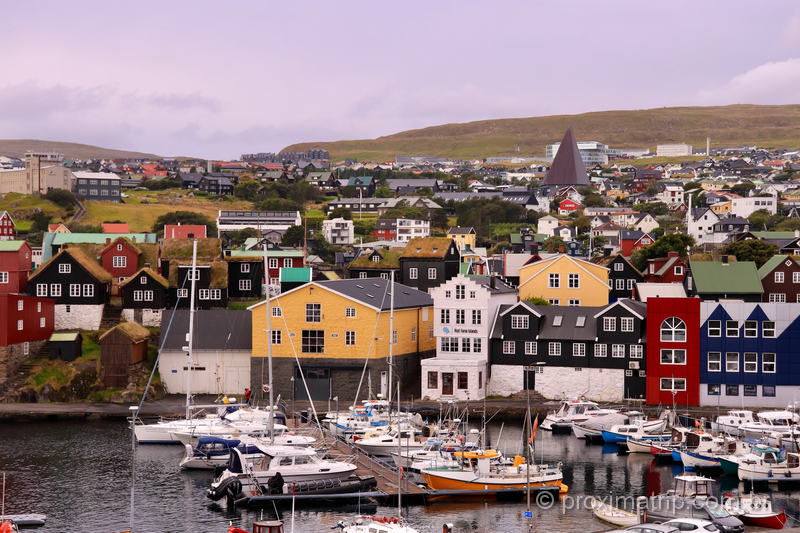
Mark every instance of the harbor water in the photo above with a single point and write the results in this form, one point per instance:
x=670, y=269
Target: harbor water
x=79, y=474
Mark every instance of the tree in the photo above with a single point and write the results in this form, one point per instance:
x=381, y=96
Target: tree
x=384, y=192
x=691, y=186
x=278, y=204
x=403, y=212
x=61, y=197
x=743, y=189
x=553, y=244
x=161, y=184
x=598, y=244
x=40, y=221
x=653, y=208
x=247, y=190
x=594, y=200
x=536, y=300
x=582, y=223
x=673, y=242
x=790, y=224
x=363, y=227
x=750, y=250
x=293, y=236
x=479, y=213
x=184, y=217
x=439, y=219
x=341, y=212
x=238, y=237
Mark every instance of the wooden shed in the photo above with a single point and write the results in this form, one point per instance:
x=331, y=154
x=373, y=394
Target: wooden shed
x=65, y=345
x=120, y=347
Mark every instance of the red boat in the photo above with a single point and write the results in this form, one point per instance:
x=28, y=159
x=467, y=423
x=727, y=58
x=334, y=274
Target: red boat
x=261, y=526
x=755, y=510
x=7, y=526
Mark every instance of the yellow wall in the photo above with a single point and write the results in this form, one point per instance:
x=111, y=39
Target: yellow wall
x=722, y=207
x=334, y=322
x=534, y=281
x=462, y=241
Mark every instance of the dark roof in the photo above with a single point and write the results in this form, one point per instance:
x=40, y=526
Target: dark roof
x=568, y=329
x=500, y=287
x=459, y=230
x=567, y=168
x=374, y=292
x=213, y=329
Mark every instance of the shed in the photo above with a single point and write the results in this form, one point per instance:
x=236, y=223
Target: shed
x=66, y=346
x=120, y=347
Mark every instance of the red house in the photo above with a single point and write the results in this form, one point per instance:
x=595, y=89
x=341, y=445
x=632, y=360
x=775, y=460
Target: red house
x=15, y=265
x=277, y=259
x=120, y=258
x=26, y=322
x=565, y=207
x=115, y=227
x=188, y=231
x=7, y=227
x=670, y=269
x=632, y=240
x=673, y=351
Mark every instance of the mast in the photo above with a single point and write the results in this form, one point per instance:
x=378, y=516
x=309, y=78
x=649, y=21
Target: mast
x=271, y=424
x=399, y=454
x=190, y=335
x=391, y=339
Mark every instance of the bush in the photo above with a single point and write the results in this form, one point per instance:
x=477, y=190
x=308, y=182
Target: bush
x=61, y=197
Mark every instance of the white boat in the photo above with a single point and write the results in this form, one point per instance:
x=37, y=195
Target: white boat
x=283, y=437
x=212, y=452
x=613, y=515
x=385, y=444
x=650, y=430
x=639, y=445
x=375, y=524
x=702, y=452
x=573, y=412
x=767, y=464
x=729, y=423
x=769, y=422
x=788, y=440
x=593, y=428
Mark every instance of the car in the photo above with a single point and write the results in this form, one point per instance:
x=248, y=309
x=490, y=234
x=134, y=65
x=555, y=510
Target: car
x=692, y=524
x=647, y=528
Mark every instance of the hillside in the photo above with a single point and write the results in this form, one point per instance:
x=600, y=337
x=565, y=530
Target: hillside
x=775, y=126
x=18, y=147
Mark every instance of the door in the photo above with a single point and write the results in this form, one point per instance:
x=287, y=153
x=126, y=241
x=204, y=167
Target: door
x=530, y=378
x=318, y=381
x=447, y=383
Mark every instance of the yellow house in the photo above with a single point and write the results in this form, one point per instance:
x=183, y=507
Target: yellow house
x=617, y=194
x=721, y=208
x=464, y=237
x=333, y=328
x=564, y=280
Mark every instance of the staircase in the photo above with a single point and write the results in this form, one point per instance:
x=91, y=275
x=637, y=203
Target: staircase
x=536, y=397
x=12, y=385
x=112, y=316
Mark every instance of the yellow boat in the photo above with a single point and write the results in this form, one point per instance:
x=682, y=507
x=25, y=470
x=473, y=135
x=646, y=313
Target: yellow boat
x=479, y=473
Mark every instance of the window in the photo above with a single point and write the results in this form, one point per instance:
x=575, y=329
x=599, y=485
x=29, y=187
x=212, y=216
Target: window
x=362, y=275
x=26, y=348
x=628, y=373
x=476, y=316
x=413, y=273
x=673, y=329
x=768, y=329
x=273, y=262
x=75, y=290
x=349, y=312
x=574, y=302
x=795, y=277
x=244, y=267
x=64, y=268
x=312, y=341
x=143, y=280
x=768, y=363
x=215, y=294
x=777, y=297
x=626, y=324
x=553, y=301
x=138, y=296
x=472, y=296
x=376, y=258
x=245, y=284
x=183, y=293
x=204, y=294
x=713, y=390
x=119, y=261
x=433, y=380
x=449, y=344
x=460, y=316
x=463, y=380
x=673, y=357
x=38, y=307
x=618, y=350
x=3, y=277
x=714, y=362
x=384, y=275
x=619, y=267
x=276, y=336
x=750, y=362
x=609, y=323
x=579, y=349
x=750, y=328
x=751, y=390
x=778, y=277
x=476, y=345
x=673, y=384
x=768, y=390
x=600, y=350
x=714, y=328
x=193, y=274
x=277, y=311
x=508, y=347
x=394, y=337
x=519, y=321
x=313, y=312
x=731, y=361
x=148, y=296
x=287, y=262
x=620, y=284
x=731, y=390
x=574, y=281
x=554, y=281
x=554, y=348
x=19, y=325
x=413, y=334
x=631, y=283
x=444, y=316
x=460, y=292
x=530, y=347
x=41, y=289
x=431, y=273
x=349, y=338
x=731, y=328
x=55, y=289
x=636, y=351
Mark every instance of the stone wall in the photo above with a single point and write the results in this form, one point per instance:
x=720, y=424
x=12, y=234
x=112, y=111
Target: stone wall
x=86, y=317
x=505, y=380
x=597, y=384
x=149, y=317
x=13, y=355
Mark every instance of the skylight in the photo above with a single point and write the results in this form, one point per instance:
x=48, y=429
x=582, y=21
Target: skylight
x=580, y=322
x=557, y=320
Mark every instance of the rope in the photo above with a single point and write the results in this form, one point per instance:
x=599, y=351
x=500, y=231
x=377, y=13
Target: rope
x=372, y=345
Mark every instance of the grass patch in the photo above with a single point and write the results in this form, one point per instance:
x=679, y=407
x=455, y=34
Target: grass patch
x=21, y=207
x=53, y=373
x=90, y=349
x=241, y=305
x=104, y=395
x=503, y=229
x=315, y=213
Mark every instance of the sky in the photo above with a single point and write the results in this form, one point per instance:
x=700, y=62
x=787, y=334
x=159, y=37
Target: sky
x=216, y=79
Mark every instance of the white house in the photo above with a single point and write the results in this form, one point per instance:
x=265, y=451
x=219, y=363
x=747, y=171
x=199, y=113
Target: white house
x=408, y=228
x=546, y=225
x=339, y=231
x=700, y=224
x=746, y=206
x=464, y=308
x=672, y=194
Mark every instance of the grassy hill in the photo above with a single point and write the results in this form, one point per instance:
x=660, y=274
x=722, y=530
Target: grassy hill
x=18, y=147
x=775, y=126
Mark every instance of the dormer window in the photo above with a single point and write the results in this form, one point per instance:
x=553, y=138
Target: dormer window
x=376, y=258
x=119, y=247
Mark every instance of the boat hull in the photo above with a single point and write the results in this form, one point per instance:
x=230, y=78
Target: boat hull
x=694, y=460
x=467, y=480
x=729, y=467
x=771, y=521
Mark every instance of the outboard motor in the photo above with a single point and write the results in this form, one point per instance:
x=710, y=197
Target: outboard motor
x=447, y=528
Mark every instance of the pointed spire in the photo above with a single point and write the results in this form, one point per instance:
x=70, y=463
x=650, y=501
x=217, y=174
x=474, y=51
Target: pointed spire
x=568, y=167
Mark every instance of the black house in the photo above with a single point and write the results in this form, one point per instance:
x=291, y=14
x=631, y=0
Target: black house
x=211, y=284
x=245, y=277
x=428, y=262
x=215, y=185
x=379, y=263
x=144, y=290
x=72, y=278
x=622, y=277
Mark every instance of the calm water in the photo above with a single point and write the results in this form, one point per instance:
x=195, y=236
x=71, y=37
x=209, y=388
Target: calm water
x=78, y=473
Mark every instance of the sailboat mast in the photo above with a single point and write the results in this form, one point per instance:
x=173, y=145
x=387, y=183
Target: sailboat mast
x=190, y=335
x=399, y=454
x=271, y=424
x=391, y=337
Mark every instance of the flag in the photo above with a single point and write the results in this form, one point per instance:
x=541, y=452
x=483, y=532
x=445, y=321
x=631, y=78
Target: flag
x=534, y=427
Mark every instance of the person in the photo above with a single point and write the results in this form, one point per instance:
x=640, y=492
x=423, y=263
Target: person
x=247, y=395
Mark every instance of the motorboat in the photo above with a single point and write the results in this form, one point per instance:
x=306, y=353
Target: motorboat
x=383, y=445
x=613, y=515
x=708, y=454
x=280, y=464
x=664, y=449
x=765, y=463
x=769, y=422
x=729, y=423
x=787, y=440
x=477, y=471
x=573, y=412
x=696, y=440
x=260, y=526
x=755, y=510
x=279, y=435
x=376, y=524
x=619, y=434
x=593, y=428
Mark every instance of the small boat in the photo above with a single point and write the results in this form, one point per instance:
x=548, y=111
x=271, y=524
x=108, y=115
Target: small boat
x=213, y=452
x=621, y=433
x=375, y=524
x=573, y=412
x=730, y=422
x=765, y=463
x=769, y=422
x=755, y=510
x=613, y=515
x=788, y=440
x=25, y=520
x=260, y=526
x=390, y=441
x=702, y=457
x=478, y=471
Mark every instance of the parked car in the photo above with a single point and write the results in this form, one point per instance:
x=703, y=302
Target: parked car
x=648, y=528
x=692, y=524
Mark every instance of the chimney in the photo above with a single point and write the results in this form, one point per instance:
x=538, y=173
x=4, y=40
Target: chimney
x=724, y=260
x=672, y=254
x=209, y=167
x=108, y=240
x=147, y=265
x=492, y=282
x=796, y=233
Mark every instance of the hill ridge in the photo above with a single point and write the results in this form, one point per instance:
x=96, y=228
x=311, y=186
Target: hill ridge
x=18, y=147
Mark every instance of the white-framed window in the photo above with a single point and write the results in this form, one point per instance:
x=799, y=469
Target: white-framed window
x=431, y=273
x=673, y=329
x=88, y=290
x=461, y=292
x=460, y=316
x=673, y=357
x=143, y=280
x=477, y=316
x=313, y=312
x=3, y=277
x=42, y=322
x=778, y=277
x=384, y=275
x=620, y=284
x=55, y=289
x=631, y=283
x=26, y=348
x=413, y=334
x=731, y=328
x=276, y=336
x=276, y=311
x=574, y=281
x=628, y=373
x=476, y=345
x=530, y=347
x=609, y=323
x=204, y=294
x=244, y=267
x=245, y=284
x=273, y=262
x=768, y=363
x=714, y=328
x=750, y=362
x=714, y=362
x=138, y=296
x=376, y=258
x=618, y=350
x=215, y=294
x=673, y=384
x=413, y=273
x=394, y=337
x=795, y=277
x=554, y=348
x=574, y=302
x=553, y=301
x=508, y=347
x=287, y=262
x=519, y=321
x=41, y=289
x=349, y=312
x=119, y=261
x=183, y=293
x=636, y=351
x=619, y=267
x=768, y=329
x=193, y=274
x=554, y=281
x=38, y=307
x=449, y=344
x=444, y=316
x=20, y=304
x=751, y=328
x=579, y=349
x=148, y=296
x=731, y=361
x=20, y=325
x=64, y=268
x=349, y=338
x=777, y=297
x=626, y=324
x=362, y=275
x=600, y=350
x=75, y=289
x=466, y=345
x=473, y=295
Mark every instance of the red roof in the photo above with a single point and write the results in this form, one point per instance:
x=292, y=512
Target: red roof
x=184, y=231
x=115, y=227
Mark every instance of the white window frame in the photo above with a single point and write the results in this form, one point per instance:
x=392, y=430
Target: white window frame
x=138, y=296
x=609, y=323
x=777, y=297
x=636, y=351
x=350, y=338
x=64, y=268
x=554, y=349
x=619, y=267
x=245, y=285
x=88, y=290
x=714, y=361
x=714, y=328
x=573, y=281
x=768, y=332
x=276, y=337
x=477, y=317
x=3, y=277
x=672, y=384
x=554, y=281
x=671, y=359
x=579, y=349
x=520, y=321
x=601, y=350
x=432, y=273
x=765, y=363
x=413, y=273
x=244, y=267
x=273, y=262
x=55, y=290
x=41, y=289
x=750, y=359
x=119, y=261
x=148, y=296
x=731, y=365
x=20, y=325
x=618, y=351
x=277, y=311
x=670, y=330
x=751, y=329
x=143, y=280
x=778, y=277
x=350, y=312
x=183, y=293
x=530, y=348
x=287, y=262
x=75, y=290
x=626, y=324
x=509, y=347
x=729, y=328
x=42, y=322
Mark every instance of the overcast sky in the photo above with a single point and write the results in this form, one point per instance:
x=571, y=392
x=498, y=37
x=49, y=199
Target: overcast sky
x=216, y=79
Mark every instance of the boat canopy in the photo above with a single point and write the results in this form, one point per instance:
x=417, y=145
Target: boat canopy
x=210, y=441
